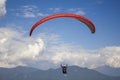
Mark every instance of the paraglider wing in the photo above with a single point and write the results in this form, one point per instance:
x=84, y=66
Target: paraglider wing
x=78, y=17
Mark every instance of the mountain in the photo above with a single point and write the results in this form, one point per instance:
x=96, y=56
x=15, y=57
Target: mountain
x=15, y=73
x=74, y=73
x=108, y=70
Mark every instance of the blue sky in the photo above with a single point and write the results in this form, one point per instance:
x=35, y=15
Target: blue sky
x=18, y=16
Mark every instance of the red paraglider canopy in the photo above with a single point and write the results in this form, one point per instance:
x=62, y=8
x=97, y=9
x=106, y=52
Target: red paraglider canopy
x=78, y=17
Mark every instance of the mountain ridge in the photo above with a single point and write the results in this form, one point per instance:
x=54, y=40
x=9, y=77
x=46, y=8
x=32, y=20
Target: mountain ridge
x=74, y=73
x=107, y=70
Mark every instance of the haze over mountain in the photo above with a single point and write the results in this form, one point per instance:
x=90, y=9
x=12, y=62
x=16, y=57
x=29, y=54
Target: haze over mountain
x=74, y=73
x=108, y=70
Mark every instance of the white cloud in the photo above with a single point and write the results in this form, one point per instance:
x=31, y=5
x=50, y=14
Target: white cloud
x=29, y=11
x=78, y=11
x=15, y=49
x=111, y=56
x=55, y=9
x=48, y=51
x=73, y=55
x=2, y=7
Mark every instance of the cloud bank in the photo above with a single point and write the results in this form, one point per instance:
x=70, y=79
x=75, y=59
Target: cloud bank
x=2, y=8
x=15, y=49
x=48, y=51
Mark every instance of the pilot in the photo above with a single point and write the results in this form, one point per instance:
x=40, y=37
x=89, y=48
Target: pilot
x=64, y=69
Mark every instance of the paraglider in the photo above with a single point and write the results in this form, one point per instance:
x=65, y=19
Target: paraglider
x=64, y=68
x=75, y=16
x=78, y=17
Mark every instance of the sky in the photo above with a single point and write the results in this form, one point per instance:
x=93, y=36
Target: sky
x=61, y=40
